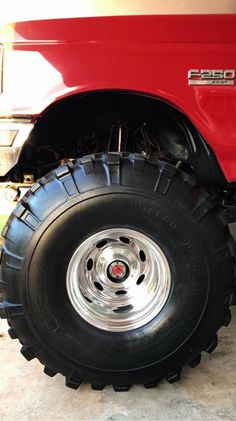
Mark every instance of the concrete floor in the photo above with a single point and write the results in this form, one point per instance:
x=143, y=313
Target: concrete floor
x=207, y=392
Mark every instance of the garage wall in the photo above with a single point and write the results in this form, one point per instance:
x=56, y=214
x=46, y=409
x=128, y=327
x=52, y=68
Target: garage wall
x=16, y=10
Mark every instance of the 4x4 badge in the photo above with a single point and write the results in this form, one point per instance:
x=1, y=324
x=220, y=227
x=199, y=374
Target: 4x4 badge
x=211, y=77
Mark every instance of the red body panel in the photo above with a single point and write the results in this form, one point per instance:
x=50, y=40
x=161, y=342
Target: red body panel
x=49, y=60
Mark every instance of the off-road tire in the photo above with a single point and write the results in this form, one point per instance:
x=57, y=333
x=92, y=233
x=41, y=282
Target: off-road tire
x=92, y=194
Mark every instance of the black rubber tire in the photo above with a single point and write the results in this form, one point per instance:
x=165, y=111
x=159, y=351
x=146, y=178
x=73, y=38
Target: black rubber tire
x=92, y=194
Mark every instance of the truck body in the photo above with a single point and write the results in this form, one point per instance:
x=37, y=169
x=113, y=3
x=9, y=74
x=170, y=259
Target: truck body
x=118, y=266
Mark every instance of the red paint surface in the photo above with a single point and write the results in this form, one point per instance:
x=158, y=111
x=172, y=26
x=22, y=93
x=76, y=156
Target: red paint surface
x=152, y=54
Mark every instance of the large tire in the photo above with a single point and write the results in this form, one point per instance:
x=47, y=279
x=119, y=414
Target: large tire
x=103, y=192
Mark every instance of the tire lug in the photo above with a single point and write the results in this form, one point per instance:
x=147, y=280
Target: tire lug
x=212, y=344
x=49, y=371
x=228, y=317
x=195, y=361
x=73, y=382
x=97, y=386
x=174, y=377
x=230, y=298
x=150, y=385
x=27, y=353
x=121, y=388
x=12, y=333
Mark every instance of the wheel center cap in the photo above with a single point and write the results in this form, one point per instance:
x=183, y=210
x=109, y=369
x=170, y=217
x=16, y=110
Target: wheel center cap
x=117, y=270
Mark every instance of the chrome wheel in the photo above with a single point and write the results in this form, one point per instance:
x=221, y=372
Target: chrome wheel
x=118, y=279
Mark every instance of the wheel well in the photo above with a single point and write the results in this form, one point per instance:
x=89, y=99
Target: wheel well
x=85, y=124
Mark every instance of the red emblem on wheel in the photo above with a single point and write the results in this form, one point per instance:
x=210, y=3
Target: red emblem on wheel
x=117, y=270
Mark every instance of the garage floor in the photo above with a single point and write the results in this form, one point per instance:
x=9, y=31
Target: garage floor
x=207, y=392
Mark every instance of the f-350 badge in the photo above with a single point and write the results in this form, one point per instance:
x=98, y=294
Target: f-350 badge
x=211, y=77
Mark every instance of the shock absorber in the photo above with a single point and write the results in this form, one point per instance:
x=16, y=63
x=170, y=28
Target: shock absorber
x=118, y=137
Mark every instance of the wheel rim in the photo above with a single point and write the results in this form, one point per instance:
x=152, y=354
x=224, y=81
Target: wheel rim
x=118, y=280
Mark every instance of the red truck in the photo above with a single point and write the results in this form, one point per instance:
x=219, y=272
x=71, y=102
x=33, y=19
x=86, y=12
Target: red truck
x=118, y=264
